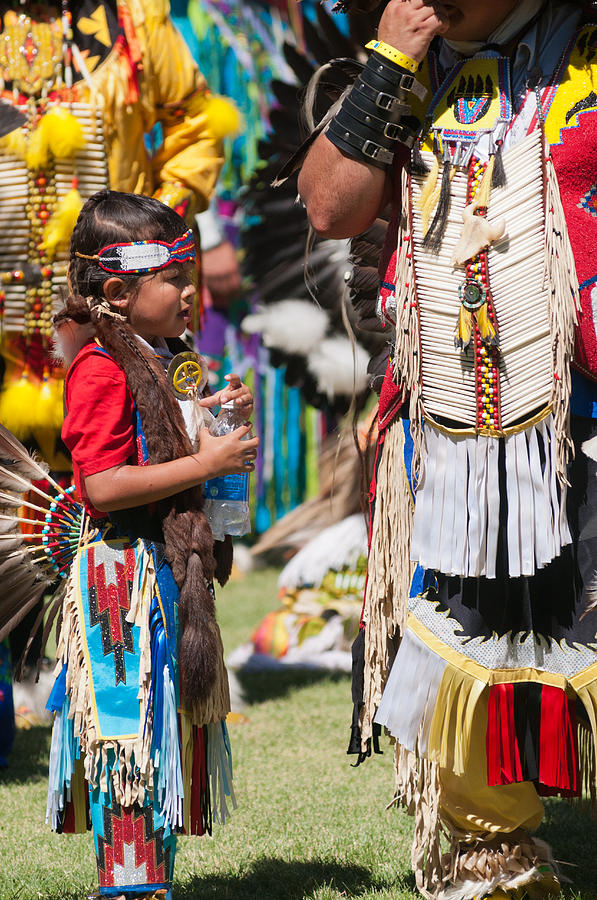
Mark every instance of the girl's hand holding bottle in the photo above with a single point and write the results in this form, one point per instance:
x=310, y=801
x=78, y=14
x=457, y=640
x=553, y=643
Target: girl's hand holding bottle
x=229, y=453
x=233, y=450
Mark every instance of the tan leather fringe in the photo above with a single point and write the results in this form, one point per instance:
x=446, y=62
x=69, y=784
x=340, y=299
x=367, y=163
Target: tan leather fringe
x=560, y=273
x=418, y=790
x=389, y=573
x=407, y=351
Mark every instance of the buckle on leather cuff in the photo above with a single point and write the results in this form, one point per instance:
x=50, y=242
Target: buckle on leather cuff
x=380, y=154
x=386, y=101
x=395, y=132
x=410, y=85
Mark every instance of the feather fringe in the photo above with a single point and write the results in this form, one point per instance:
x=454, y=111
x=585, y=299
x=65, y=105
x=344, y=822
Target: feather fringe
x=505, y=863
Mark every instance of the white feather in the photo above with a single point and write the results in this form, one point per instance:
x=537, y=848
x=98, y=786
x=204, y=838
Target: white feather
x=334, y=548
x=293, y=326
x=337, y=368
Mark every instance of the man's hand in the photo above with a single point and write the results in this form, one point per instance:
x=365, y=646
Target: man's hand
x=235, y=390
x=222, y=274
x=410, y=25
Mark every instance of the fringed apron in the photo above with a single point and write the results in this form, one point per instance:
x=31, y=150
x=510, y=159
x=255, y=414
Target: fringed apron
x=125, y=759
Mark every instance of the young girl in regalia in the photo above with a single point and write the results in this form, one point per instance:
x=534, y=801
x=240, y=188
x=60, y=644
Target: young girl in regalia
x=477, y=122
x=139, y=746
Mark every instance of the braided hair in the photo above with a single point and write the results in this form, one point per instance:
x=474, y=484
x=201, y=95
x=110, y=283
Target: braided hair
x=109, y=217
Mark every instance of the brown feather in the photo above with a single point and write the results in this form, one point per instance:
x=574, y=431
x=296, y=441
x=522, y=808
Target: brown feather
x=15, y=456
x=13, y=608
x=51, y=610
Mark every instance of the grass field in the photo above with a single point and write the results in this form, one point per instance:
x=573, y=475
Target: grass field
x=308, y=825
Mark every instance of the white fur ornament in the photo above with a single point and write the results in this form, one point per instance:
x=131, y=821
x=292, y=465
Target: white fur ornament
x=338, y=367
x=294, y=326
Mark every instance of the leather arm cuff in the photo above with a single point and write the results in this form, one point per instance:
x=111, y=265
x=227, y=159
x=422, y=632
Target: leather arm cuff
x=374, y=115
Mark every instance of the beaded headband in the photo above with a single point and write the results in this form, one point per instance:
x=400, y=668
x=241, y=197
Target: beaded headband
x=138, y=257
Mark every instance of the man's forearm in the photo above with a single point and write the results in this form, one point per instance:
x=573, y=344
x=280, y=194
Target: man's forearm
x=343, y=196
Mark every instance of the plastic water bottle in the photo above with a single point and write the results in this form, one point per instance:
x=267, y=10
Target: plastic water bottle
x=227, y=497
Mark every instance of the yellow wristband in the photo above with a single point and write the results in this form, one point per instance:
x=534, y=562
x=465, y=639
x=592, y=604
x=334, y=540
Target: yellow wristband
x=401, y=59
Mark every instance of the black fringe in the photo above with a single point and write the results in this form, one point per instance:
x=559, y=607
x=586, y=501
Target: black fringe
x=433, y=238
x=418, y=166
x=498, y=178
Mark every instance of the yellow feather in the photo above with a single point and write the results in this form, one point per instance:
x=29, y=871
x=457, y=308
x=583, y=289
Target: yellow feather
x=430, y=183
x=223, y=117
x=14, y=144
x=18, y=406
x=486, y=330
x=464, y=329
x=63, y=132
x=49, y=413
x=38, y=150
x=60, y=225
x=484, y=192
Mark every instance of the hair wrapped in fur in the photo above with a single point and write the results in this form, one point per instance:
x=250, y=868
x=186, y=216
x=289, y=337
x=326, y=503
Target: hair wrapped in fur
x=107, y=217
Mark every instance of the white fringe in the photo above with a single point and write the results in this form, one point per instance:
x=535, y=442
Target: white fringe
x=457, y=507
x=170, y=786
x=219, y=772
x=410, y=695
x=62, y=764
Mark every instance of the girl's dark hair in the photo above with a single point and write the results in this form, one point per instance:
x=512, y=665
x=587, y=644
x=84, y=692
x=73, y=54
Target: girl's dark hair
x=106, y=218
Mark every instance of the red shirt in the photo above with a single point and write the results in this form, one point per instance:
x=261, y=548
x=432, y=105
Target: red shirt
x=98, y=428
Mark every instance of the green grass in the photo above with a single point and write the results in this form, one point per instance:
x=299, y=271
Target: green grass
x=308, y=825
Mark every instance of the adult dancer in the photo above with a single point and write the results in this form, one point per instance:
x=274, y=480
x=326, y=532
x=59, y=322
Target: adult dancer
x=478, y=631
